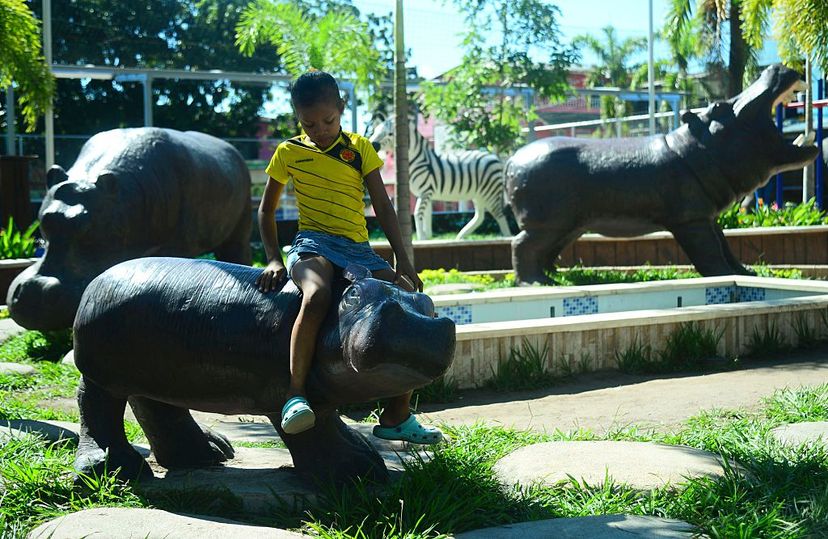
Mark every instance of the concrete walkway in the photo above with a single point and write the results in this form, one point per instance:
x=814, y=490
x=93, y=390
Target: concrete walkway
x=611, y=400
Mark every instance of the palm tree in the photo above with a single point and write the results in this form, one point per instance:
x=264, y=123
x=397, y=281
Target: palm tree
x=801, y=27
x=614, y=68
x=707, y=27
x=21, y=61
x=337, y=42
x=614, y=57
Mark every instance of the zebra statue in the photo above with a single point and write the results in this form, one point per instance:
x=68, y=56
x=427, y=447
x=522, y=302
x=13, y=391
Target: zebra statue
x=470, y=175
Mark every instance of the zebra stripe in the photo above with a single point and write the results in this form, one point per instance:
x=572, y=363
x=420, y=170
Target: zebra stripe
x=470, y=175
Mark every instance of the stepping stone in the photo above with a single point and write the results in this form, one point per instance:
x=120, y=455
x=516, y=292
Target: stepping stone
x=260, y=478
x=797, y=434
x=69, y=358
x=8, y=328
x=17, y=368
x=51, y=431
x=595, y=527
x=126, y=523
x=641, y=465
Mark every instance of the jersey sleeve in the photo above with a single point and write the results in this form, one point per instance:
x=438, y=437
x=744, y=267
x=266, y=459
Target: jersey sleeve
x=370, y=160
x=276, y=169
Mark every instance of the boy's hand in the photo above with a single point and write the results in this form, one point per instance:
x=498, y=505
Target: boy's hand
x=407, y=278
x=270, y=278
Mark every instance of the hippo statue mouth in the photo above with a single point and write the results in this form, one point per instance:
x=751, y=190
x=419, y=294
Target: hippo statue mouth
x=776, y=86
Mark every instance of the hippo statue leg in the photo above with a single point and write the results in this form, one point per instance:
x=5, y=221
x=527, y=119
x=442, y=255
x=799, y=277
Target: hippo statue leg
x=708, y=249
x=534, y=250
x=236, y=247
x=332, y=450
x=177, y=441
x=103, y=444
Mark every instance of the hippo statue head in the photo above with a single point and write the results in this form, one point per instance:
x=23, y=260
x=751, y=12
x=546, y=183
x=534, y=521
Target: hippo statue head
x=67, y=217
x=747, y=147
x=375, y=322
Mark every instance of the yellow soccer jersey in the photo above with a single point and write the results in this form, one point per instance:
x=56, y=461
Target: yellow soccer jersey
x=328, y=183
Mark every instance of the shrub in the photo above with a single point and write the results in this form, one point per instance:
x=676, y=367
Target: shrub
x=14, y=244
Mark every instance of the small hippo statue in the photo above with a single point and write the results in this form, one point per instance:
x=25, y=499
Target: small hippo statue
x=132, y=193
x=561, y=187
x=173, y=334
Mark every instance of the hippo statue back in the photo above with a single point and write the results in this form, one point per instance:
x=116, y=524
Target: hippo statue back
x=132, y=193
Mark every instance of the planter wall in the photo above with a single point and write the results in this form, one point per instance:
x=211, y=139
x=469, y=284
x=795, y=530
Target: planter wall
x=9, y=269
x=771, y=245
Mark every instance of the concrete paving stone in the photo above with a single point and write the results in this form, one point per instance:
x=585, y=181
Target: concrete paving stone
x=593, y=527
x=129, y=523
x=797, y=434
x=9, y=328
x=51, y=431
x=261, y=478
x=17, y=368
x=641, y=465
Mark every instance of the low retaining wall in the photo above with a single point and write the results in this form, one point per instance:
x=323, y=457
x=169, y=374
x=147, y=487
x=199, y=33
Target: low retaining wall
x=589, y=343
x=771, y=245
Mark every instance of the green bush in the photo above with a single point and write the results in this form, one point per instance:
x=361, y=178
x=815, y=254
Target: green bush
x=14, y=244
x=805, y=214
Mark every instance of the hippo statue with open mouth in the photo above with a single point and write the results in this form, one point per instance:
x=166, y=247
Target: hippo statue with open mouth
x=172, y=334
x=132, y=193
x=561, y=187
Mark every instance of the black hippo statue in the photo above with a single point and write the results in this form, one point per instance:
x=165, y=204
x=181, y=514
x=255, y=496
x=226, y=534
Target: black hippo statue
x=173, y=334
x=132, y=193
x=561, y=187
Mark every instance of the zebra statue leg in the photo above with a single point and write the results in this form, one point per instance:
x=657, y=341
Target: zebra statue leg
x=476, y=221
x=422, y=216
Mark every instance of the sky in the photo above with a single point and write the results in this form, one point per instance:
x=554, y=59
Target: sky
x=432, y=27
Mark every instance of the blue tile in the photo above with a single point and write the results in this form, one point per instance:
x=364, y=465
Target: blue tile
x=459, y=314
x=751, y=293
x=580, y=305
x=719, y=294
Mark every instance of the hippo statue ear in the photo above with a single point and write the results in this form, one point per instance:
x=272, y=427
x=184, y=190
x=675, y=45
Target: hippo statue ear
x=107, y=183
x=55, y=175
x=689, y=117
x=355, y=272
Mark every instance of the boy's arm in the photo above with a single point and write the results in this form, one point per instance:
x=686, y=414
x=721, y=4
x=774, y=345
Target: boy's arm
x=275, y=271
x=387, y=218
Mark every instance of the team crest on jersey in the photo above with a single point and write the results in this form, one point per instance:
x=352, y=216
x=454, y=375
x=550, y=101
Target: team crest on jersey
x=347, y=155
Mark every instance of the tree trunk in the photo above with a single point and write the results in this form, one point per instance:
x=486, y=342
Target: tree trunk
x=401, y=132
x=738, y=51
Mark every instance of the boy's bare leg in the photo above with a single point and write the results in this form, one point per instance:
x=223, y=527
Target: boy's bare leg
x=398, y=408
x=313, y=276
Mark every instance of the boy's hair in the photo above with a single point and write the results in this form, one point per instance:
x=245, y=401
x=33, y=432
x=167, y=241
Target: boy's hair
x=314, y=87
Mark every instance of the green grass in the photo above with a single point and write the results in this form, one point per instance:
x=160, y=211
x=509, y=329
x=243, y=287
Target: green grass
x=772, y=491
x=524, y=369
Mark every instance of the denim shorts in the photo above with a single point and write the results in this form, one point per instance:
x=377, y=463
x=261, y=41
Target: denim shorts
x=339, y=251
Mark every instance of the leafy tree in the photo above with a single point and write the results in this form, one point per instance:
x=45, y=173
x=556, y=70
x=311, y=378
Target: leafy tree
x=713, y=28
x=478, y=98
x=175, y=34
x=336, y=41
x=22, y=62
x=801, y=27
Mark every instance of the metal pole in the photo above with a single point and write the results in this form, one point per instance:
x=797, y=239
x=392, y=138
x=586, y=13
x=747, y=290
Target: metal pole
x=353, y=100
x=651, y=72
x=10, y=121
x=147, y=101
x=808, y=170
x=780, y=187
x=820, y=162
x=49, y=118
